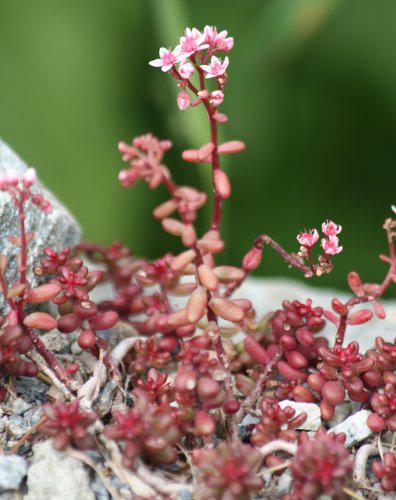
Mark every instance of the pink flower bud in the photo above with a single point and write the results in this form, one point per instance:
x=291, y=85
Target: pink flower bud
x=182, y=289
x=189, y=236
x=373, y=378
x=287, y=342
x=168, y=343
x=296, y=360
x=85, y=309
x=329, y=228
x=211, y=242
x=43, y=293
x=196, y=305
x=333, y=393
x=221, y=184
x=376, y=423
x=204, y=424
x=86, y=339
x=302, y=394
x=231, y=406
x=40, y=320
x=326, y=410
x=227, y=310
x=185, y=379
x=29, y=178
x=252, y=259
x=304, y=336
x=69, y=323
x=12, y=177
x=228, y=274
x=339, y=307
x=316, y=381
x=355, y=284
x=256, y=351
x=360, y=317
x=207, y=277
x=207, y=388
x=308, y=238
x=104, y=321
x=216, y=97
x=178, y=318
x=185, y=331
x=183, y=100
x=186, y=70
x=182, y=260
x=205, y=151
x=172, y=226
x=244, y=304
x=191, y=155
x=220, y=117
x=231, y=147
x=290, y=373
x=165, y=209
x=379, y=310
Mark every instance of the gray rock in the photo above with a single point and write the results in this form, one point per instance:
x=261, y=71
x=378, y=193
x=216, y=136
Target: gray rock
x=355, y=428
x=56, y=476
x=13, y=469
x=57, y=229
x=16, y=426
x=19, y=406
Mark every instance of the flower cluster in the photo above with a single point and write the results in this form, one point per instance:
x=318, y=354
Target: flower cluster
x=19, y=188
x=68, y=425
x=195, y=53
x=330, y=242
x=229, y=471
x=321, y=466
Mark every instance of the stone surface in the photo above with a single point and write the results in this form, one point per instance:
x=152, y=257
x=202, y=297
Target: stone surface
x=55, y=476
x=312, y=410
x=355, y=428
x=12, y=470
x=57, y=229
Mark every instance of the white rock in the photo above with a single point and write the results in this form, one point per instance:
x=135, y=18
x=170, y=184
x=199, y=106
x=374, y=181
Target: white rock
x=12, y=470
x=267, y=295
x=284, y=483
x=55, y=476
x=312, y=410
x=354, y=427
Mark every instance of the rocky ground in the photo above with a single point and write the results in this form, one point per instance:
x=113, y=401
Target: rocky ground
x=37, y=472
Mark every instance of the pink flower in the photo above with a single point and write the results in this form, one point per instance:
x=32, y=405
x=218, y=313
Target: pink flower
x=329, y=228
x=192, y=41
x=186, y=70
x=308, y=238
x=216, y=97
x=218, y=41
x=167, y=59
x=29, y=178
x=183, y=100
x=330, y=245
x=215, y=68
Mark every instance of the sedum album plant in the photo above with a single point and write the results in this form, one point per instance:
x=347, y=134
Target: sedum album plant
x=163, y=397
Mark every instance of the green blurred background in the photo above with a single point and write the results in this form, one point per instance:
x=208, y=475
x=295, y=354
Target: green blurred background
x=312, y=92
